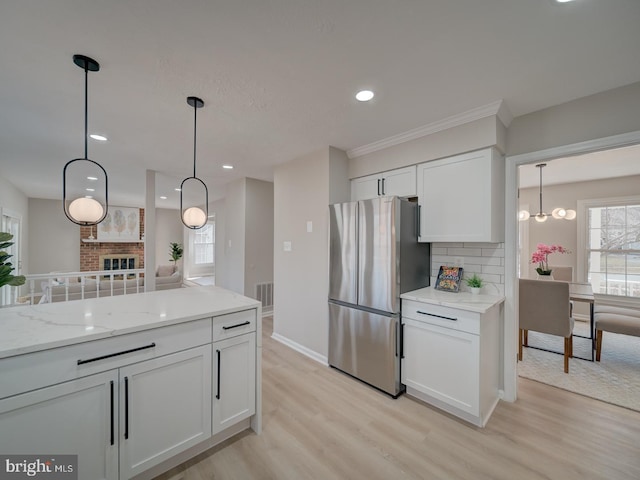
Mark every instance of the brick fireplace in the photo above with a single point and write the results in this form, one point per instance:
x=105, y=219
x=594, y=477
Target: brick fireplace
x=92, y=251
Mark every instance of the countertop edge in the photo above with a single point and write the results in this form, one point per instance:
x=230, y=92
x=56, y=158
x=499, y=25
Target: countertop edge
x=478, y=303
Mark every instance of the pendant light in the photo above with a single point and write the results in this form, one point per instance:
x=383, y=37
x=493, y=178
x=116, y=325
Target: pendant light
x=557, y=213
x=84, y=181
x=194, y=216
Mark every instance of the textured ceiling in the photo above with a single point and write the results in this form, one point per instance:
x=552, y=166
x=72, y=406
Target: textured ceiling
x=278, y=77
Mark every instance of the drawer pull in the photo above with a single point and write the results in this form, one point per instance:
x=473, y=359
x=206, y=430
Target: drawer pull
x=124, y=352
x=236, y=326
x=438, y=316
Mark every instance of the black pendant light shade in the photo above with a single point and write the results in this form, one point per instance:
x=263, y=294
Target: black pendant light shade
x=194, y=213
x=84, y=181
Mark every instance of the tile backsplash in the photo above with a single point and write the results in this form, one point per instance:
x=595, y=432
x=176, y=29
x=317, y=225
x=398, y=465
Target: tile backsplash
x=484, y=259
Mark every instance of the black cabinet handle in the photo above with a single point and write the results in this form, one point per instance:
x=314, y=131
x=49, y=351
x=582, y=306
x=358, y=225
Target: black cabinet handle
x=438, y=316
x=236, y=326
x=126, y=408
x=383, y=186
x=378, y=187
x=124, y=352
x=218, y=376
x=111, y=407
x=402, y=340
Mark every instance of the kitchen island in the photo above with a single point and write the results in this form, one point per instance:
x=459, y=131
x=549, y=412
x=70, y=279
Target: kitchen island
x=451, y=355
x=134, y=384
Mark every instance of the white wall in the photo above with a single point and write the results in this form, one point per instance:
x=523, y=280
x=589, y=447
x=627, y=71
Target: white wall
x=234, y=248
x=220, y=259
x=13, y=199
x=169, y=228
x=54, y=243
x=302, y=193
x=597, y=116
x=258, y=234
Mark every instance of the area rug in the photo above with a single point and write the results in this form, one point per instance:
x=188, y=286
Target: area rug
x=615, y=379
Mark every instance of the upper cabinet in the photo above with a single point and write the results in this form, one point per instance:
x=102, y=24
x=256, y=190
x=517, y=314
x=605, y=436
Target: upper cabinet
x=400, y=182
x=461, y=198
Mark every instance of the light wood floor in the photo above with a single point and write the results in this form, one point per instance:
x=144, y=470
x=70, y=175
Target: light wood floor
x=321, y=424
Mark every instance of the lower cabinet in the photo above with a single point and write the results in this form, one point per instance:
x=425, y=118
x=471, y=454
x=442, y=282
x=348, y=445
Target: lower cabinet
x=235, y=388
x=78, y=417
x=165, y=408
x=141, y=399
x=443, y=363
x=451, y=358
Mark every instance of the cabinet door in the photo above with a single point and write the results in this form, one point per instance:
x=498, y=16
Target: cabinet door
x=400, y=182
x=443, y=363
x=72, y=418
x=235, y=381
x=462, y=198
x=165, y=408
x=367, y=187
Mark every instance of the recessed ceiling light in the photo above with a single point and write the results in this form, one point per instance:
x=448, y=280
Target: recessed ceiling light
x=178, y=189
x=90, y=189
x=92, y=178
x=163, y=197
x=228, y=167
x=564, y=1
x=100, y=138
x=88, y=196
x=364, y=95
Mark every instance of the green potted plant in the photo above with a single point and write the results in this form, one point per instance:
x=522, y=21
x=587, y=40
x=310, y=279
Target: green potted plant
x=175, y=253
x=474, y=283
x=6, y=278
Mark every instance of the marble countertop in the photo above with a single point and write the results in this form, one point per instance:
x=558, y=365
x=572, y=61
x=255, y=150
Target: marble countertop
x=26, y=329
x=463, y=300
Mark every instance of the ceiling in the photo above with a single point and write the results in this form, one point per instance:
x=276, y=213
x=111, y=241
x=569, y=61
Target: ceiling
x=278, y=78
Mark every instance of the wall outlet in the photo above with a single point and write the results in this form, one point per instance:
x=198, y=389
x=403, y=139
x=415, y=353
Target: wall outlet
x=458, y=262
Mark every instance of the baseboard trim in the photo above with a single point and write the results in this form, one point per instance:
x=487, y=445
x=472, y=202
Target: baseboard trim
x=301, y=349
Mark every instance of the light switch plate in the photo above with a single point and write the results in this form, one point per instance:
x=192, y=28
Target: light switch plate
x=287, y=246
x=309, y=226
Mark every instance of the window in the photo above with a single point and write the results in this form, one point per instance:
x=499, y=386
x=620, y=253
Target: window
x=612, y=246
x=203, y=244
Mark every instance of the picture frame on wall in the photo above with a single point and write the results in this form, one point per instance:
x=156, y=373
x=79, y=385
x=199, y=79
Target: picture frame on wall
x=122, y=224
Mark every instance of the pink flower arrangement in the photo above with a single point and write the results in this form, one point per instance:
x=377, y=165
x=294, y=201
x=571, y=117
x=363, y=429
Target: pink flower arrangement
x=541, y=256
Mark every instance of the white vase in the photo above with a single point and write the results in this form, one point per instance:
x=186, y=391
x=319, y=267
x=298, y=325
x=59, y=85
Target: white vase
x=475, y=290
x=545, y=277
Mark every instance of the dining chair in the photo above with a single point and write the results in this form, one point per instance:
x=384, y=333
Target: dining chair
x=544, y=307
x=561, y=273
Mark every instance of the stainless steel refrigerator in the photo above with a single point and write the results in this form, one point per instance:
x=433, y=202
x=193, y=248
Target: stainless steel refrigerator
x=374, y=257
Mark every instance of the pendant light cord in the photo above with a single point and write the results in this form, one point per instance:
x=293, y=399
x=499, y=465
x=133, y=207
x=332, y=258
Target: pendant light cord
x=195, y=129
x=86, y=108
x=540, y=211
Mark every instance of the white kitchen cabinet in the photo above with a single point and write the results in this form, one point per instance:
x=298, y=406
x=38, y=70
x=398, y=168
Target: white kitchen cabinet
x=400, y=182
x=235, y=380
x=461, y=198
x=451, y=358
x=165, y=408
x=78, y=417
x=136, y=399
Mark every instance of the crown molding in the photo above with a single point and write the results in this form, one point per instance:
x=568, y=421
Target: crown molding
x=497, y=108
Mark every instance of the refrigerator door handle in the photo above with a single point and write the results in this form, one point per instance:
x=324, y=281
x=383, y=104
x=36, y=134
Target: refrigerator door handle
x=418, y=220
x=401, y=340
